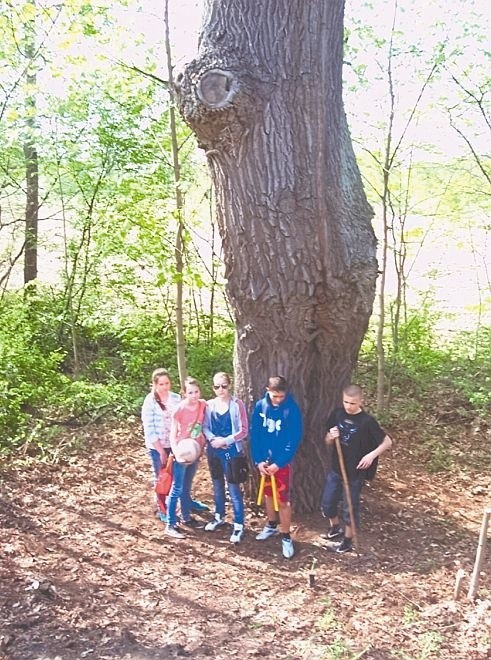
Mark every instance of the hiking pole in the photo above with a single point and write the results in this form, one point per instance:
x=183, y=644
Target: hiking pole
x=348, y=493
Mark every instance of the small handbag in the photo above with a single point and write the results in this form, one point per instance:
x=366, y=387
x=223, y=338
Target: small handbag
x=237, y=469
x=164, y=480
x=215, y=465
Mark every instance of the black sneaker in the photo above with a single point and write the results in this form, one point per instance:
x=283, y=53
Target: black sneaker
x=334, y=532
x=193, y=523
x=346, y=545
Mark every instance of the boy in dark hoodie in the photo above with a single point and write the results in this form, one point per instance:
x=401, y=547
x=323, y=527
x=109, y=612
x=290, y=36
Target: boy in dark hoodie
x=276, y=431
x=362, y=441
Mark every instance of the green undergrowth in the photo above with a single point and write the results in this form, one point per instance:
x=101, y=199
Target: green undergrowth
x=438, y=391
x=45, y=389
x=55, y=377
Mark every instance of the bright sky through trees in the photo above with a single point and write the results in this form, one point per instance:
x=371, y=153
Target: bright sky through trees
x=462, y=26
x=421, y=28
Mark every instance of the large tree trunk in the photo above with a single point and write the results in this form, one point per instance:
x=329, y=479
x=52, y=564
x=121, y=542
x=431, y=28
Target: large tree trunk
x=264, y=97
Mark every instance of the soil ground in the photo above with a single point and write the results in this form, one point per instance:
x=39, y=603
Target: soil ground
x=86, y=571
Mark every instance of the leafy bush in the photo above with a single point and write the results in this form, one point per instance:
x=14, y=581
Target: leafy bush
x=469, y=367
x=418, y=357
x=428, y=360
x=146, y=342
x=29, y=373
x=115, y=360
x=204, y=359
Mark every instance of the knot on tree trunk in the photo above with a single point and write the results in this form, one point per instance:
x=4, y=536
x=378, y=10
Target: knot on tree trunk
x=216, y=100
x=216, y=89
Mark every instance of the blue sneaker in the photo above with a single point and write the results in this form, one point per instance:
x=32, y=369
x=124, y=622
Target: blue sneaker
x=198, y=506
x=163, y=517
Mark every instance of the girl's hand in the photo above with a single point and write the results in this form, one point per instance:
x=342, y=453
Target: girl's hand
x=218, y=443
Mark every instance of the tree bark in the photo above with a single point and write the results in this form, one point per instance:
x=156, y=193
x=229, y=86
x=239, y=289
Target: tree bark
x=31, y=215
x=264, y=96
x=31, y=156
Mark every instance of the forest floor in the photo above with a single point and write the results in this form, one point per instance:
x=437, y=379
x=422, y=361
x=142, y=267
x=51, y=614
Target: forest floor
x=86, y=571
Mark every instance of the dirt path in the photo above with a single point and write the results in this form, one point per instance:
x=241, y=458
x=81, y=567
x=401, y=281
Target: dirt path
x=86, y=572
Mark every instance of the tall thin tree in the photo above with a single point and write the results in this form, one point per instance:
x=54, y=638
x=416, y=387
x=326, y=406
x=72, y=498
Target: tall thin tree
x=179, y=246
x=30, y=152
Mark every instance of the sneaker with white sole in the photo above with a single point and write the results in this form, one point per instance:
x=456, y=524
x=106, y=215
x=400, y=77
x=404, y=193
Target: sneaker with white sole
x=266, y=533
x=287, y=548
x=346, y=545
x=214, y=524
x=334, y=532
x=237, y=534
x=172, y=531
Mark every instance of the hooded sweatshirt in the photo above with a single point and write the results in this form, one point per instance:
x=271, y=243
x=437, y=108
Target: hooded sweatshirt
x=276, y=431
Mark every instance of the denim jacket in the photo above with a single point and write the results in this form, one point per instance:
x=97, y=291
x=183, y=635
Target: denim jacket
x=156, y=422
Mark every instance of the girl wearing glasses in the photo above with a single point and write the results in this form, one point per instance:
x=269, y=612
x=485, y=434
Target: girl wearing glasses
x=225, y=428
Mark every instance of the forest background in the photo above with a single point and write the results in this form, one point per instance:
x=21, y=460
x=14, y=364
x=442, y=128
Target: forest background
x=100, y=233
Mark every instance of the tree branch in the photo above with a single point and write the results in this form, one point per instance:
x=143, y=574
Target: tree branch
x=146, y=74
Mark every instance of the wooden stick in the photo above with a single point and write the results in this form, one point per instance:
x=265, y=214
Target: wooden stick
x=418, y=607
x=348, y=494
x=458, y=583
x=480, y=552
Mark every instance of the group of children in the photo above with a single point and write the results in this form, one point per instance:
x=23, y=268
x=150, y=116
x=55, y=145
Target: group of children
x=188, y=426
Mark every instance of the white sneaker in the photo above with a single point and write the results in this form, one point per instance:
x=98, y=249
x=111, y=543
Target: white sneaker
x=237, y=534
x=214, y=524
x=287, y=548
x=172, y=531
x=266, y=533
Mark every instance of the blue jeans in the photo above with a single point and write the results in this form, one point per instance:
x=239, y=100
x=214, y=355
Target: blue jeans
x=183, y=476
x=156, y=463
x=234, y=490
x=334, y=494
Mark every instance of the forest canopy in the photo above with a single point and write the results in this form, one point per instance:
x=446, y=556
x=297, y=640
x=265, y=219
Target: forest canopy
x=91, y=211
